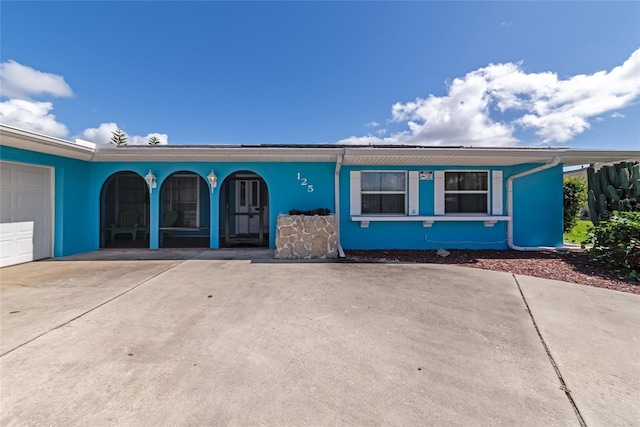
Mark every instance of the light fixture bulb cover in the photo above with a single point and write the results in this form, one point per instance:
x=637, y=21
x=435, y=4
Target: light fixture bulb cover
x=213, y=179
x=151, y=179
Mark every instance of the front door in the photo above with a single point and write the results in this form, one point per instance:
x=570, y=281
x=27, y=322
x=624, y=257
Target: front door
x=248, y=206
x=244, y=211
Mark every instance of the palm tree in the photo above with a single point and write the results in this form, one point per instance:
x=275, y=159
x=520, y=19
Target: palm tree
x=154, y=140
x=118, y=137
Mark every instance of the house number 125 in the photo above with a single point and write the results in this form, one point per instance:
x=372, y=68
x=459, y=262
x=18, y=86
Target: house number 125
x=303, y=181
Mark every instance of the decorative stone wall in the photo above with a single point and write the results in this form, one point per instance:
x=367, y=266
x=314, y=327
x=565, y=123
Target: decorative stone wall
x=303, y=236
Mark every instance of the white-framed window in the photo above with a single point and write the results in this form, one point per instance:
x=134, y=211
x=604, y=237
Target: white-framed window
x=460, y=192
x=466, y=192
x=383, y=192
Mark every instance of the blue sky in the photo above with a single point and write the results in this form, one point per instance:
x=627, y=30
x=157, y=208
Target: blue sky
x=432, y=73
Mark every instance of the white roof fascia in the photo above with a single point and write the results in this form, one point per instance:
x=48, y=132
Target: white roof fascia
x=469, y=156
x=362, y=156
x=583, y=157
x=84, y=143
x=108, y=153
x=353, y=155
x=32, y=141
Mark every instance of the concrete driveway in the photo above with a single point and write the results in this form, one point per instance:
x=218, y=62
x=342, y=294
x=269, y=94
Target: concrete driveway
x=201, y=338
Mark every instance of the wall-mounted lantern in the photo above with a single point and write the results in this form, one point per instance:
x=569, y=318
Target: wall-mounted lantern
x=151, y=181
x=213, y=180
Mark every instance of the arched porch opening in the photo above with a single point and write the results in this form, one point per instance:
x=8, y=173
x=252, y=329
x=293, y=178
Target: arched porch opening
x=124, y=211
x=184, y=211
x=244, y=211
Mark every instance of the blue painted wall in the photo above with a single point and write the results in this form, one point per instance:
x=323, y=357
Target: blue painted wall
x=72, y=190
x=78, y=184
x=537, y=212
x=286, y=191
x=538, y=208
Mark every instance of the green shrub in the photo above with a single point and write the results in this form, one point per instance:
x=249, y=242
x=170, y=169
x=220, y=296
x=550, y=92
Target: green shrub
x=616, y=242
x=575, y=196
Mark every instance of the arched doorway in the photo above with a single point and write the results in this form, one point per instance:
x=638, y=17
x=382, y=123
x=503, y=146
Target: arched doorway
x=244, y=211
x=184, y=211
x=124, y=211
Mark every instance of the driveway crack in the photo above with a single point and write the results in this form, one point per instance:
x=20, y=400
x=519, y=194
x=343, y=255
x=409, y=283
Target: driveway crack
x=563, y=384
x=93, y=308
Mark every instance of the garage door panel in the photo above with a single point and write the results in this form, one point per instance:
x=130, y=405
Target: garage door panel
x=23, y=228
x=31, y=178
x=6, y=203
x=24, y=237
x=16, y=243
x=33, y=201
x=6, y=177
x=25, y=213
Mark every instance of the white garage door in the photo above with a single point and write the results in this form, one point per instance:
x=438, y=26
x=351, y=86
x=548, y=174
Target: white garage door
x=25, y=213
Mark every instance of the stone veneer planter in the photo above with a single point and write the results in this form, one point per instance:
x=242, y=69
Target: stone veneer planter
x=304, y=236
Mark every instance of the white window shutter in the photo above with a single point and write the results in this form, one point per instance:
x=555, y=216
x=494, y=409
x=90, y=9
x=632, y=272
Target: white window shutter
x=496, y=192
x=355, y=197
x=414, y=193
x=438, y=193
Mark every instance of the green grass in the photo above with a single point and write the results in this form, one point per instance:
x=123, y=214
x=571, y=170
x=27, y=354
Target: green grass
x=579, y=232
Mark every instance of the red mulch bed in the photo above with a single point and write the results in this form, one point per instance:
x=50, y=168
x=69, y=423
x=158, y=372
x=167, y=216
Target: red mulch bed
x=572, y=266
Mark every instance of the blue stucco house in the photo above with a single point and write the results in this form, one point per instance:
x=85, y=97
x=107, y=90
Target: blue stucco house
x=60, y=198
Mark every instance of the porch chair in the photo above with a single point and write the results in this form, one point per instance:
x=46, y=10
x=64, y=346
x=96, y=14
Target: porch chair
x=128, y=224
x=170, y=218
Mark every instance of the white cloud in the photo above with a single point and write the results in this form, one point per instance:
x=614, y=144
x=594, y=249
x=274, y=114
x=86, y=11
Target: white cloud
x=564, y=108
x=144, y=140
x=363, y=140
x=33, y=116
x=617, y=115
x=555, y=110
x=372, y=124
x=22, y=82
x=381, y=132
x=19, y=83
x=102, y=135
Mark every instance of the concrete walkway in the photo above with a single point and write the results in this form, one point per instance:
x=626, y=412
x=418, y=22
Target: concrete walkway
x=202, y=338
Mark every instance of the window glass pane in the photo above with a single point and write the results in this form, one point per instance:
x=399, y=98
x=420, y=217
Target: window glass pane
x=382, y=181
x=465, y=181
x=465, y=203
x=254, y=193
x=383, y=204
x=243, y=193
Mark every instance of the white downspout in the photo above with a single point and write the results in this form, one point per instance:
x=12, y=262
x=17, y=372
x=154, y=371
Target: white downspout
x=336, y=181
x=548, y=165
